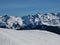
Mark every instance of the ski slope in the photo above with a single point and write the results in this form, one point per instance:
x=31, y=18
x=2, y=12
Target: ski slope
x=28, y=37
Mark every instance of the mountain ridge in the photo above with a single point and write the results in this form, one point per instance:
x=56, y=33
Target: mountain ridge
x=30, y=21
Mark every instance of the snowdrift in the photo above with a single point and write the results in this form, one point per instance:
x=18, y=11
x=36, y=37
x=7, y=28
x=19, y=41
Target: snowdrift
x=28, y=37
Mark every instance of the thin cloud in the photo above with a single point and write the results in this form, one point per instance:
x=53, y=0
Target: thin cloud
x=12, y=6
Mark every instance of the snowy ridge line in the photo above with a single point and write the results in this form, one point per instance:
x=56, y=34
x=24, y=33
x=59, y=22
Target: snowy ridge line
x=30, y=21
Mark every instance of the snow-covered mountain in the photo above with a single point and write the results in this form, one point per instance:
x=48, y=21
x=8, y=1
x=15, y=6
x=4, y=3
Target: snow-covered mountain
x=30, y=21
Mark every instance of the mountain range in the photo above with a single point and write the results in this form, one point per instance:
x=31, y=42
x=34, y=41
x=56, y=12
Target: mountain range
x=30, y=21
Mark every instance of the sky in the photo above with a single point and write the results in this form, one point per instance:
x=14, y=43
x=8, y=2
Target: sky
x=26, y=7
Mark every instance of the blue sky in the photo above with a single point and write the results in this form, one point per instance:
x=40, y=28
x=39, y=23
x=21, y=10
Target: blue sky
x=25, y=7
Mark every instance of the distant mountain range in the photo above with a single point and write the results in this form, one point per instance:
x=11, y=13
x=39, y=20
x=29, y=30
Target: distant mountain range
x=31, y=21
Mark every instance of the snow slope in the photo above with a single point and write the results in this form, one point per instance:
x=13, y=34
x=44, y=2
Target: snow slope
x=28, y=37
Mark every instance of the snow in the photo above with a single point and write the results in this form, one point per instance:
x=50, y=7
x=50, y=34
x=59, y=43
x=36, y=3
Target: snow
x=28, y=37
x=19, y=20
x=48, y=19
x=11, y=21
